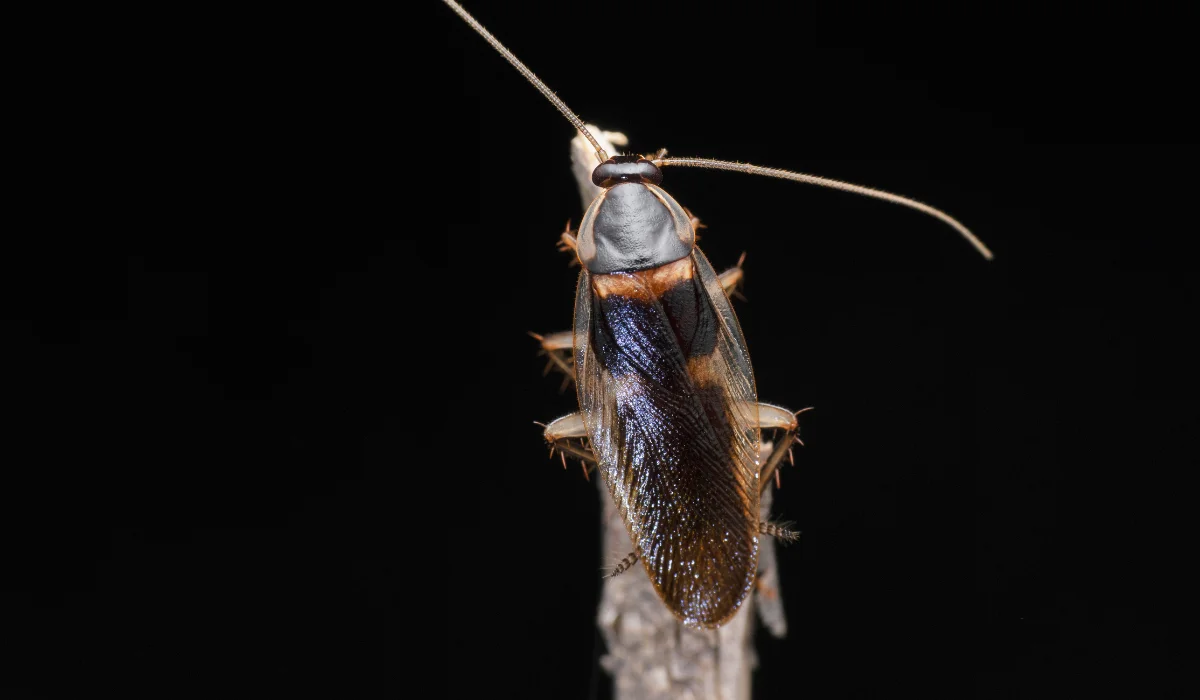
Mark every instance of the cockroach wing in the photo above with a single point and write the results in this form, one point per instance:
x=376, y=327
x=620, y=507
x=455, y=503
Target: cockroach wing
x=667, y=393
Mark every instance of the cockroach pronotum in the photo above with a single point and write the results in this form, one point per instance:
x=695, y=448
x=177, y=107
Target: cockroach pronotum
x=668, y=408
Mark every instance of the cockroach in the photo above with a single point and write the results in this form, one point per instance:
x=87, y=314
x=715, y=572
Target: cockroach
x=668, y=407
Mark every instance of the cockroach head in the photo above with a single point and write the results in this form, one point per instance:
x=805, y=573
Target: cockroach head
x=626, y=169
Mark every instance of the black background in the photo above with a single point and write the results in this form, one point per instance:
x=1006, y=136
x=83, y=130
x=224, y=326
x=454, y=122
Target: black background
x=271, y=396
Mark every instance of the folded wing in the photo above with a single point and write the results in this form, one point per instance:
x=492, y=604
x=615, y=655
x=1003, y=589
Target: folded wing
x=667, y=393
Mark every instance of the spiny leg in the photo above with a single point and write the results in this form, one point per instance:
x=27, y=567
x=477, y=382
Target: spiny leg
x=559, y=351
x=568, y=436
x=770, y=603
x=694, y=221
x=731, y=279
x=559, y=347
x=566, y=242
x=771, y=417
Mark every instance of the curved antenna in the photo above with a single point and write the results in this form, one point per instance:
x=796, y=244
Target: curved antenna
x=834, y=184
x=601, y=155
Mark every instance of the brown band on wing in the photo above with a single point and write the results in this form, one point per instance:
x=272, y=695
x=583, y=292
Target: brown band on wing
x=703, y=372
x=644, y=285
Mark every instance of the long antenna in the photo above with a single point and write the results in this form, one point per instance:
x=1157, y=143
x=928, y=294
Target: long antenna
x=835, y=184
x=508, y=55
x=660, y=161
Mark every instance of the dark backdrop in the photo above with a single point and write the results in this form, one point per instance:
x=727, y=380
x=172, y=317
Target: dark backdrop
x=273, y=401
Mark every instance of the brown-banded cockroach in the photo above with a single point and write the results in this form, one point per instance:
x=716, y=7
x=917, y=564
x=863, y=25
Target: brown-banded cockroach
x=669, y=410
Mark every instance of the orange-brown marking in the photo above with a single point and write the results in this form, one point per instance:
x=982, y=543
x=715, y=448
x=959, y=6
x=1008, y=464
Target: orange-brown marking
x=704, y=371
x=646, y=285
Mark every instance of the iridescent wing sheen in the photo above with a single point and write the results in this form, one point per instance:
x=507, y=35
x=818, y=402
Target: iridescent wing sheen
x=667, y=393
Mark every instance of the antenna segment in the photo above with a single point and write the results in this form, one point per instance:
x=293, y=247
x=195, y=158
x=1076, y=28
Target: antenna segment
x=508, y=55
x=834, y=184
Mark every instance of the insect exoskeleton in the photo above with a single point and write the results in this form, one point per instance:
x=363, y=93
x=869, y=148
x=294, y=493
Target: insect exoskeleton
x=667, y=403
x=666, y=394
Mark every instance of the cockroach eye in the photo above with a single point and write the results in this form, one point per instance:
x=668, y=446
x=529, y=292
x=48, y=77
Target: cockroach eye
x=626, y=169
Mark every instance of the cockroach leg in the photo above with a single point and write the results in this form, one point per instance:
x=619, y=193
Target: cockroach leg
x=781, y=532
x=693, y=220
x=566, y=239
x=558, y=348
x=629, y=560
x=732, y=279
x=568, y=427
x=771, y=417
x=567, y=244
x=567, y=436
x=555, y=342
x=770, y=468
